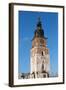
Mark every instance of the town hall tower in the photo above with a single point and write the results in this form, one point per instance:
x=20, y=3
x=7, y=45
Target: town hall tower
x=39, y=58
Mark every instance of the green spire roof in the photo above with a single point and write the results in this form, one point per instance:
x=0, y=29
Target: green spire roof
x=39, y=31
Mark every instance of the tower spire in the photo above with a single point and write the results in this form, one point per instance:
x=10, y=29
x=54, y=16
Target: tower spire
x=39, y=31
x=39, y=23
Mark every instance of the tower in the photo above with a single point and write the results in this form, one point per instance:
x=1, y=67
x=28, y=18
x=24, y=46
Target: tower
x=39, y=59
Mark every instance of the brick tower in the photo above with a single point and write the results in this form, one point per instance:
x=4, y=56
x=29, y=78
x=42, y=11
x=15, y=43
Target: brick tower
x=39, y=59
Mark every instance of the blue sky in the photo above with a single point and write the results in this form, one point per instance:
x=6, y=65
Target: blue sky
x=27, y=26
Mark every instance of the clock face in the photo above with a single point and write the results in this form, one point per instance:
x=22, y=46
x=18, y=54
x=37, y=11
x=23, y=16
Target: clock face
x=42, y=41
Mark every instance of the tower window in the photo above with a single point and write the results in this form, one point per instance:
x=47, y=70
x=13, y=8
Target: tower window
x=44, y=75
x=40, y=45
x=42, y=53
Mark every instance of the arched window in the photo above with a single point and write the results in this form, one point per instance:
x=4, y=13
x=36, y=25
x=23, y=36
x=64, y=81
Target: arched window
x=42, y=66
x=42, y=53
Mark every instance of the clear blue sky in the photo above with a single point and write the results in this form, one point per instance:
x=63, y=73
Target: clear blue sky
x=27, y=26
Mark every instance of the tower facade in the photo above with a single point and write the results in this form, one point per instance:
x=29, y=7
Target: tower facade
x=39, y=59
